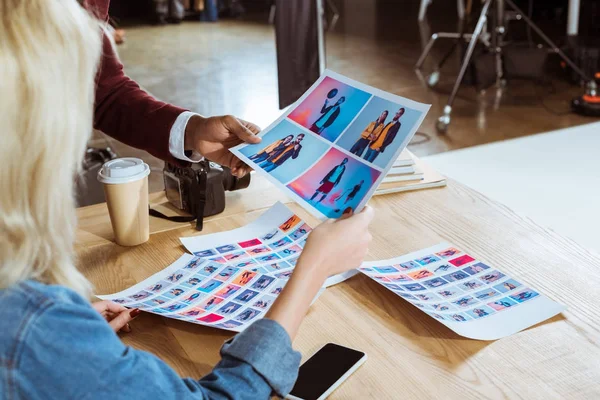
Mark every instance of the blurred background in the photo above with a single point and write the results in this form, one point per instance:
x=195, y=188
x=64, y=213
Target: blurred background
x=219, y=57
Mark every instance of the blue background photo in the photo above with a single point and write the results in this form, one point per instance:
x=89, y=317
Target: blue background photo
x=370, y=113
x=312, y=149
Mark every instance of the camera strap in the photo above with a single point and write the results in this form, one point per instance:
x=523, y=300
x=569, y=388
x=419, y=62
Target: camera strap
x=201, y=178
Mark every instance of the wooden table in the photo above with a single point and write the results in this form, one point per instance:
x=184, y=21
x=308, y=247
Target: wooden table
x=410, y=354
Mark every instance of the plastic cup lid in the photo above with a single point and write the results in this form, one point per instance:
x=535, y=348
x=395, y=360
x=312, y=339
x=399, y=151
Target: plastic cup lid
x=123, y=170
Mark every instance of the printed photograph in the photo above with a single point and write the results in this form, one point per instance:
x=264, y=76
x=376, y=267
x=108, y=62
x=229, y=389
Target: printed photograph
x=192, y=312
x=436, y=316
x=174, y=292
x=210, y=303
x=284, y=274
x=398, y=278
x=435, y=283
x=456, y=276
x=267, y=258
x=300, y=232
x=174, y=307
x=175, y=277
x=270, y=235
x=208, y=269
x=442, y=269
x=258, y=250
x=335, y=183
x=480, y=312
x=449, y=292
x=290, y=223
x=413, y=287
x=285, y=151
x=462, y=260
x=329, y=108
x=194, y=264
x=469, y=285
x=460, y=317
x=249, y=243
x=227, y=291
x=246, y=296
x=442, y=307
x=243, y=278
x=393, y=286
x=263, y=282
x=476, y=268
x=290, y=251
x=486, y=294
x=277, y=266
x=219, y=260
x=408, y=265
x=264, y=303
x=280, y=243
x=407, y=296
x=507, y=286
x=229, y=308
x=278, y=287
x=247, y=315
x=227, y=248
x=422, y=274
x=245, y=264
x=210, y=318
x=141, y=295
x=226, y=273
x=386, y=270
x=492, y=277
x=158, y=286
x=465, y=301
x=427, y=260
x=238, y=255
x=157, y=301
x=524, y=295
x=209, y=286
x=380, y=131
x=502, y=304
x=192, y=298
x=426, y=296
x=206, y=253
x=448, y=252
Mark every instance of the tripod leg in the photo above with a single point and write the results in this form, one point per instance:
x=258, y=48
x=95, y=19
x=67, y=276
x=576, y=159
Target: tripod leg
x=444, y=120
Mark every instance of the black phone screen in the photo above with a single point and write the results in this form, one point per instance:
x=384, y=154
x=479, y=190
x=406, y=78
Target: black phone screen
x=323, y=370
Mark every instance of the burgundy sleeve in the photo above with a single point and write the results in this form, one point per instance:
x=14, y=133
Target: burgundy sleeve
x=126, y=112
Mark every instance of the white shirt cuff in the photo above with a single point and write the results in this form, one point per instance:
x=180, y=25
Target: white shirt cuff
x=177, y=139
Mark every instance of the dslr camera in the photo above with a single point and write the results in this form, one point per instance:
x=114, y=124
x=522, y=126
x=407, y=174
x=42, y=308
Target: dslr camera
x=199, y=190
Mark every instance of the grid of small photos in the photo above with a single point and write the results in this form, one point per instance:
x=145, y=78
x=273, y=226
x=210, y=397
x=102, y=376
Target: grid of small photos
x=226, y=287
x=450, y=285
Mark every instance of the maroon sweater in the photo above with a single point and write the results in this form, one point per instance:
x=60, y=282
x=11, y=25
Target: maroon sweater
x=123, y=110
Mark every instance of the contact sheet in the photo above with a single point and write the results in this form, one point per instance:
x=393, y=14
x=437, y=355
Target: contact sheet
x=232, y=278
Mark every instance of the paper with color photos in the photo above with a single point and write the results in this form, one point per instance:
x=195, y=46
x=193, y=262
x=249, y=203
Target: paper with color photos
x=269, y=245
x=471, y=297
x=333, y=147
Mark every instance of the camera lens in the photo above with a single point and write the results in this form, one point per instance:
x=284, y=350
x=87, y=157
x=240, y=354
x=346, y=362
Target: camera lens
x=231, y=183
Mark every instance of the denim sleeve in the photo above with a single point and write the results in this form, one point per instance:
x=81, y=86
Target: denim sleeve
x=71, y=352
x=267, y=348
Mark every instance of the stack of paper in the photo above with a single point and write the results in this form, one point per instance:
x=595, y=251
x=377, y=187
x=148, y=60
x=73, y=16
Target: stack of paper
x=400, y=178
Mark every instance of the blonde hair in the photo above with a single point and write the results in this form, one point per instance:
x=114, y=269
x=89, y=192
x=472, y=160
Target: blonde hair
x=49, y=51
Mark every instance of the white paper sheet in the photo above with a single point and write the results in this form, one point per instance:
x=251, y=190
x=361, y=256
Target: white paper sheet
x=450, y=285
x=331, y=119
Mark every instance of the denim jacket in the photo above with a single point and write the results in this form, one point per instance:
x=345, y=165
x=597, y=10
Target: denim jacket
x=54, y=345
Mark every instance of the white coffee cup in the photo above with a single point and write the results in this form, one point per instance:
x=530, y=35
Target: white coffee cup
x=126, y=190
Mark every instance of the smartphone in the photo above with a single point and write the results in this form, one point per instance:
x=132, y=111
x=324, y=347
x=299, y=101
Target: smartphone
x=325, y=371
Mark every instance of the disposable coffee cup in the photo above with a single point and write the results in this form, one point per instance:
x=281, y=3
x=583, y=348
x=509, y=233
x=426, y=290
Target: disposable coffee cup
x=126, y=189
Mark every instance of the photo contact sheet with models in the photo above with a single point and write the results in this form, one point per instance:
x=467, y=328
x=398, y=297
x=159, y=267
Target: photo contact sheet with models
x=333, y=147
x=234, y=277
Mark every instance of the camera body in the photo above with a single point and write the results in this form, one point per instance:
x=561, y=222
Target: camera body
x=199, y=190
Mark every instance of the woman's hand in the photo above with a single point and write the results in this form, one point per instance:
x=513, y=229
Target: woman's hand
x=117, y=316
x=213, y=137
x=333, y=247
x=337, y=246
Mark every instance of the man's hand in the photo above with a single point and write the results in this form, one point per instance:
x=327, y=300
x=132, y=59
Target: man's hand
x=213, y=137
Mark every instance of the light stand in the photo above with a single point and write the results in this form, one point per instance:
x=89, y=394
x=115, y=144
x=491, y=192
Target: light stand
x=588, y=104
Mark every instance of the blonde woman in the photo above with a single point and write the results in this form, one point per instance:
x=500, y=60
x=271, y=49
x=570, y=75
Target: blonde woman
x=54, y=343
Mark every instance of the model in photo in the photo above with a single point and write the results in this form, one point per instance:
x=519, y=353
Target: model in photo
x=385, y=137
x=330, y=181
x=372, y=131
